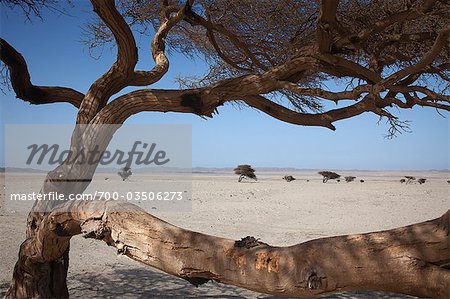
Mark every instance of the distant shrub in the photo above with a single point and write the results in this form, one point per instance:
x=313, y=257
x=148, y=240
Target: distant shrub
x=361, y=181
x=125, y=173
x=402, y=181
x=409, y=179
x=421, y=181
x=349, y=179
x=288, y=178
x=329, y=175
x=245, y=171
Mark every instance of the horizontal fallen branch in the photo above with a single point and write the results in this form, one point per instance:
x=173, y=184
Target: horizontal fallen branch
x=412, y=260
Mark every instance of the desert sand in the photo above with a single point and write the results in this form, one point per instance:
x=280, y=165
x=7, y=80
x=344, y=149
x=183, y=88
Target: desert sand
x=276, y=212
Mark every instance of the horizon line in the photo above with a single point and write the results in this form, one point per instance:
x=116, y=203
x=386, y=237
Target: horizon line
x=261, y=168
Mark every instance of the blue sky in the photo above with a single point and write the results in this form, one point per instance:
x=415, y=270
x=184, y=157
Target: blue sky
x=55, y=56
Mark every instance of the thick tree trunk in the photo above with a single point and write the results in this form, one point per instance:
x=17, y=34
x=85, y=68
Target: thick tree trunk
x=35, y=275
x=39, y=280
x=411, y=260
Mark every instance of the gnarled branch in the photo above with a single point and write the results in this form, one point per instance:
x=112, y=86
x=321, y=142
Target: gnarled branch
x=117, y=77
x=410, y=259
x=382, y=24
x=318, y=92
x=441, y=41
x=210, y=27
x=324, y=119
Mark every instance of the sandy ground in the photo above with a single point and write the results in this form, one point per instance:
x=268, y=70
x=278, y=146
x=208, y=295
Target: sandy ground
x=277, y=212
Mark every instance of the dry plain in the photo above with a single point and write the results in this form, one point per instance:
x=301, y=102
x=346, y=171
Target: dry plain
x=276, y=212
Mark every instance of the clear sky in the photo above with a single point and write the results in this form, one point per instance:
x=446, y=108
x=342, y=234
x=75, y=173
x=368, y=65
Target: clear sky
x=55, y=56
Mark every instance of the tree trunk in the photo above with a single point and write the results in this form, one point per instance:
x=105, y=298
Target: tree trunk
x=412, y=260
x=39, y=280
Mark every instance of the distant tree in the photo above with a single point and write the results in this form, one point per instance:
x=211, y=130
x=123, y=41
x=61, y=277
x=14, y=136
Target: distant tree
x=245, y=171
x=421, y=181
x=349, y=179
x=329, y=175
x=288, y=178
x=273, y=56
x=125, y=173
x=409, y=179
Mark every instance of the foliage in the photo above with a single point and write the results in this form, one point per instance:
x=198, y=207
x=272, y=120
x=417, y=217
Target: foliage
x=277, y=57
x=409, y=179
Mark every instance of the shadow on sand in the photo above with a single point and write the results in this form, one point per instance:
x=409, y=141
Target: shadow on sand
x=126, y=282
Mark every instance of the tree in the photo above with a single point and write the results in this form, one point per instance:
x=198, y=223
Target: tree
x=349, y=179
x=329, y=175
x=125, y=173
x=409, y=179
x=273, y=56
x=289, y=178
x=245, y=171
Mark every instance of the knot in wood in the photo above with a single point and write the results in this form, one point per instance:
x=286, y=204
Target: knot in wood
x=313, y=282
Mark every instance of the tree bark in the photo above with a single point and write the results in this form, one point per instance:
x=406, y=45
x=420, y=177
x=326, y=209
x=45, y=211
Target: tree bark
x=39, y=275
x=39, y=280
x=411, y=260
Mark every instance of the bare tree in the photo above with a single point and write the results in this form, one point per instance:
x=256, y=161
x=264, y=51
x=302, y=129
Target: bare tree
x=329, y=175
x=245, y=171
x=273, y=56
